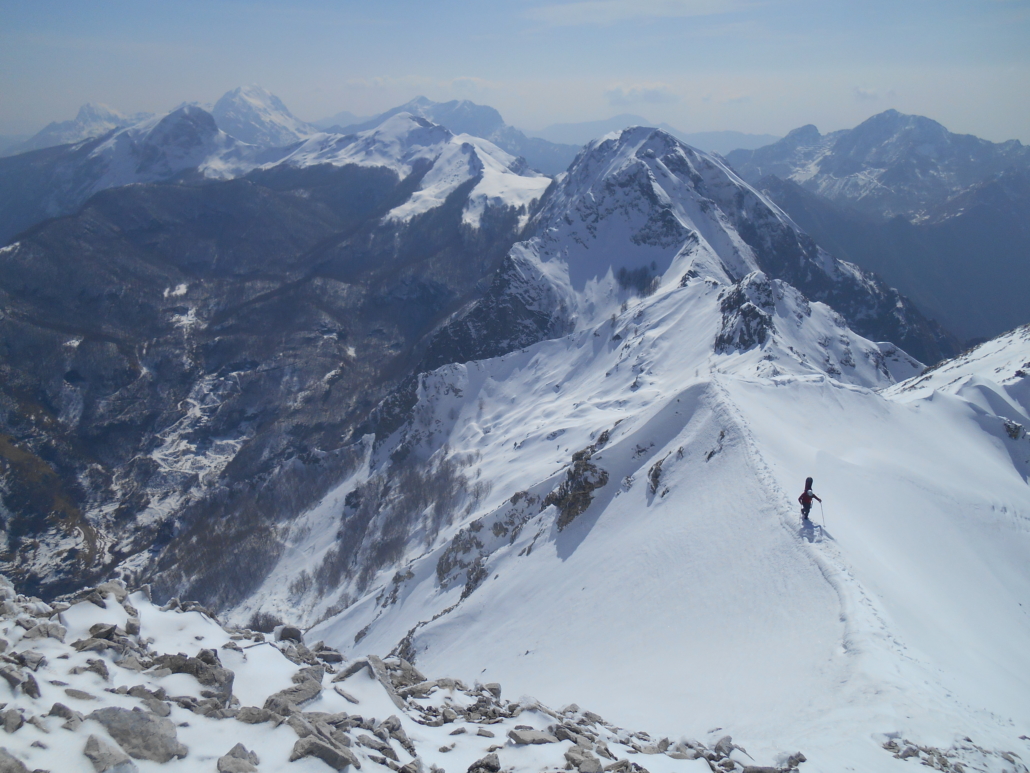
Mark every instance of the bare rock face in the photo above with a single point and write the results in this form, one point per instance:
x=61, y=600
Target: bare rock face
x=107, y=758
x=141, y=734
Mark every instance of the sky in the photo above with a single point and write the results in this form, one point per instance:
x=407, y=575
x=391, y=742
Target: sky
x=757, y=66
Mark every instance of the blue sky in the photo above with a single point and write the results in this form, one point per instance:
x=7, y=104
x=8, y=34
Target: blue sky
x=763, y=66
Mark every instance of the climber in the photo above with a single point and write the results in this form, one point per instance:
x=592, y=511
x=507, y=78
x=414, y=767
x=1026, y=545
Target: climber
x=806, y=499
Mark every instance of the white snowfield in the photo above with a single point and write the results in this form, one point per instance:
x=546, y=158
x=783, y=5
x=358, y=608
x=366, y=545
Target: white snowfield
x=403, y=142
x=661, y=576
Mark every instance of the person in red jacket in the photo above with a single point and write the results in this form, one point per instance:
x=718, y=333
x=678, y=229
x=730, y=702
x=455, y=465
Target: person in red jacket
x=806, y=499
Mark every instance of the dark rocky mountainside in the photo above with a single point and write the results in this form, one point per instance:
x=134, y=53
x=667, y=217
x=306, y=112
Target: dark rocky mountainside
x=967, y=264
x=182, y=365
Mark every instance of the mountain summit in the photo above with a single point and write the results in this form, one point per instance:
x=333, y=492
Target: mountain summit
x=258, y=117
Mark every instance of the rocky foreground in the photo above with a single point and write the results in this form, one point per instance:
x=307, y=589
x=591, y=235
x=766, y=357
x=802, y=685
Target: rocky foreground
x=108, y=682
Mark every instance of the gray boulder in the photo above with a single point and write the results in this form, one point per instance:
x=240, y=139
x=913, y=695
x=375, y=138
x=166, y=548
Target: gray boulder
x=238, y=760
x=47, y=630
x=107, y=758
x=488, y=764
x=206, y=668
x=337, y=759
x=253, y=715
x=583, y=761
x=285, y=701
x=102, y=630
x=11, y=764
x=142, y=734
x=522, y=737
x=12, y=720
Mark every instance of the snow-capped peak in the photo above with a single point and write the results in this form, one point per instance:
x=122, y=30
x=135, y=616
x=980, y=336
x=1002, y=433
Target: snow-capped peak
x=156, y=149
x=404, y=142
x=256, y=116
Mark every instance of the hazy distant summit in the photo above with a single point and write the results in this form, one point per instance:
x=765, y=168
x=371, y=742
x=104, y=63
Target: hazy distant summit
x=891, y=164
x=465, y=117
x=93, y=120
x=258, y=117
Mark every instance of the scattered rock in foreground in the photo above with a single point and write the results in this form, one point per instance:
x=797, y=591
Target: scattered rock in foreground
x=161, y=680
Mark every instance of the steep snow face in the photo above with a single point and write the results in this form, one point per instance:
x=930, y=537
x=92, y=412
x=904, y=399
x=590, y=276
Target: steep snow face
x=258, y=117
x=407, y=143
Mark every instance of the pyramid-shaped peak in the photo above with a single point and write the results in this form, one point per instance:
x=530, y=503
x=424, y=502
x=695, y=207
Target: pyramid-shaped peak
x=93, y=112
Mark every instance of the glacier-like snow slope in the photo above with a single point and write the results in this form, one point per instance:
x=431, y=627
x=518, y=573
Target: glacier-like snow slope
x=404, y=142
x=634, y=540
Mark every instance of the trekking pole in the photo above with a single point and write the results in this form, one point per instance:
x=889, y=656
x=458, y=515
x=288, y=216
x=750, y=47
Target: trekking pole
x=822, y=513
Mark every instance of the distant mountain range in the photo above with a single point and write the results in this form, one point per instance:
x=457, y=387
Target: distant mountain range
x=395, y=387
x=846, y=184
x=891, y=164
x=464, y=117
x=943, y=217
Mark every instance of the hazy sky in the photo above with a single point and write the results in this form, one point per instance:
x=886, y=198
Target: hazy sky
x=763, y=66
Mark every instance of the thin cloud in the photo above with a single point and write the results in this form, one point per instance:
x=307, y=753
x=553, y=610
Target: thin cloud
x=603, y=12
x=657, y=94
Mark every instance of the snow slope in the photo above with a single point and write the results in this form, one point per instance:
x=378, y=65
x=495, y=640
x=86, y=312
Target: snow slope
x=405, y=143
x=698, y=598
x=633, y=539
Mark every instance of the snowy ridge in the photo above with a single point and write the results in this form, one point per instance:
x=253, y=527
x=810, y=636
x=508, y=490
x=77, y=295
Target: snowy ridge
x=404, y=142
x=639, y=209
x=625, y=495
